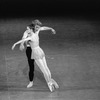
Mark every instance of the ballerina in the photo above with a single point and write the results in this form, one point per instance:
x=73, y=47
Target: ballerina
x=37, y=53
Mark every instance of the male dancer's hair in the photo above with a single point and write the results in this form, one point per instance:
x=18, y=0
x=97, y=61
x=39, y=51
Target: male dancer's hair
x=32, y=26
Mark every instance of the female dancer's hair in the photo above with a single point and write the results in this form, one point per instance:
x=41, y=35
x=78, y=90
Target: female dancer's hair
x=34, y=23
x=37, y=22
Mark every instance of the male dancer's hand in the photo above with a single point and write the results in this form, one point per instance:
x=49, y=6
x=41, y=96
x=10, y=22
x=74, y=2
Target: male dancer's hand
x=21, y=47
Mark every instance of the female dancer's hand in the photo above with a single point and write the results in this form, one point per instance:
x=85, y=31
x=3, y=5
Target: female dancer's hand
x=13, y=46
x=54, y=32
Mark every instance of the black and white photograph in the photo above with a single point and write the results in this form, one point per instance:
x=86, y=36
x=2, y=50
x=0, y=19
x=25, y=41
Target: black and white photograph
x=49, y=50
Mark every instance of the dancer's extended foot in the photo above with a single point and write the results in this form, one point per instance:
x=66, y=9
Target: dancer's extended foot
x=30, y=84
x=55, y=83
x=51, y=87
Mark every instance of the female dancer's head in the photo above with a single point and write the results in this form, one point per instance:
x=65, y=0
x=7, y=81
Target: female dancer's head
x=36, y=24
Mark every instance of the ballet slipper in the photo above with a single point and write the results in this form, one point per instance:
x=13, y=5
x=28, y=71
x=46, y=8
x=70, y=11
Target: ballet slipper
x=55, y=83
x=51, y=87
x=30, y=84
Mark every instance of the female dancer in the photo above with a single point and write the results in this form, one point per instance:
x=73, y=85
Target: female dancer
x=37, y=52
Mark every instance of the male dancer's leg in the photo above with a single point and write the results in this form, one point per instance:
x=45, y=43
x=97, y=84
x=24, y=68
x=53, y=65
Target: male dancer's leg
x=31, y=65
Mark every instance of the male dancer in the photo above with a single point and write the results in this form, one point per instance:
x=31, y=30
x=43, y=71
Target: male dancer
x=30, y=61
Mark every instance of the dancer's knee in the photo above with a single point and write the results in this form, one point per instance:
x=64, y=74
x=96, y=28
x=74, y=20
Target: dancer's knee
x=43, y=69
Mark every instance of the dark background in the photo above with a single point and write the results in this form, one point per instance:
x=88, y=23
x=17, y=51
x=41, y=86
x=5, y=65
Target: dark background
x=78, y=19
x=65, y=8
x=75, y=48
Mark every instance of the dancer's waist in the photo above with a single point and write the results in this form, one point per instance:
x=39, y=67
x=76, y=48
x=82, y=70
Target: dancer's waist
x=35, y=47
x=28, y=45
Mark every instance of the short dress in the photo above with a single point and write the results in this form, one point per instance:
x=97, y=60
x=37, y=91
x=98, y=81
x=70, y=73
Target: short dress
x=37, y=53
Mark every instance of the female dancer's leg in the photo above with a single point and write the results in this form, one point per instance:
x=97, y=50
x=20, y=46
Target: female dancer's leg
x=46, y=67
x=41, y=65
x=49, y=73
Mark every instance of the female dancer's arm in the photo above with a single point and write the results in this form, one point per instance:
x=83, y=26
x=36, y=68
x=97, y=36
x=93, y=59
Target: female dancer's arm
x=24, y=36
x=20, y=41
x=47, y=28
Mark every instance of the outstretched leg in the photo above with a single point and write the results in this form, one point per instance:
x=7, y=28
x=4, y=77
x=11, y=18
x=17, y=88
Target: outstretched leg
x=41, y=65
x=46, y=67
x=53, y=82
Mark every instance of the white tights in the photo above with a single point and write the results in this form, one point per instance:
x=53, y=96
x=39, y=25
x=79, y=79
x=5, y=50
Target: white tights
x=44, y=68
x=46, y=72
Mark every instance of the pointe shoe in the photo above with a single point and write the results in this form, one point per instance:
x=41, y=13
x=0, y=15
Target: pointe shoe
x=51, y=87
x=55, y=83
x=30, y=85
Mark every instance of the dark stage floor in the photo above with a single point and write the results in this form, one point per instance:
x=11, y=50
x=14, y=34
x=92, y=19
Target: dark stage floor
x=73, y=57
